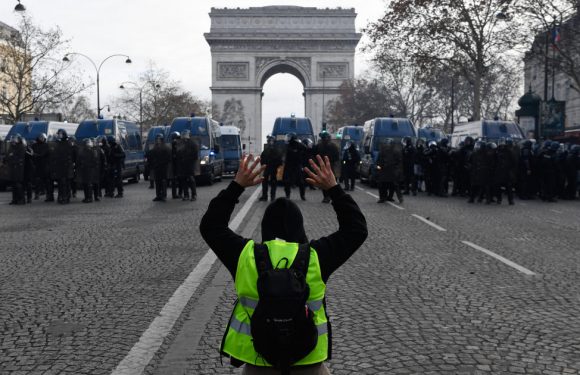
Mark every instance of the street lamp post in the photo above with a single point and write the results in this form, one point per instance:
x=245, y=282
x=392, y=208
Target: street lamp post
x=452, y=104
x=19, y=7
x=140, y=88
x=323, y=103
x=98, y=70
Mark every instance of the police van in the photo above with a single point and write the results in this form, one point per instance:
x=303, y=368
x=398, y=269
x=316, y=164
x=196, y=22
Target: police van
x=429, y=133
x=126, y=133
x=206, y=132
x=231, y=148
x=353, y=134
x=488, y=130
x=301, y=126
x=32, y=129
x=376, y=131
x=29, y=132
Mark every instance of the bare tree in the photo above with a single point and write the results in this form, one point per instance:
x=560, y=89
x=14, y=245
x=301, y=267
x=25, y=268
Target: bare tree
x=32, y=71
x=466, y=38
x=162, y=99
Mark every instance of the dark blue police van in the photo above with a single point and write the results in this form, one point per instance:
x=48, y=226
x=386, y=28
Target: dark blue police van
x=353, y=134
x=301, y=126
x=126, y=133
x=206, y=132
x=429, y=134
x=376, y=131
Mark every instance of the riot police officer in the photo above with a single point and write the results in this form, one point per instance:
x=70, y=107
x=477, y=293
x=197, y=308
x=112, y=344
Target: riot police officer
x=159, y=162
x=293, y=162
x=572, y=166
x=272, y=158
x=87, y=168
x=41, y=159
x=432, y=176
x=390, y=171
x=350, y=162
x=176, y=192
x=62, y=165
x=505, y=171
x=549, y=172
x=116, y=163
x=15, y=160
x=187, y=154
x=326, y=148
x=409, y=156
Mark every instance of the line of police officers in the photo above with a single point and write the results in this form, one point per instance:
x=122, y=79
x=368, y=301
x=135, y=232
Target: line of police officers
x=479, y=170
x=173, y=165
x=295, y=159
x=91, y=165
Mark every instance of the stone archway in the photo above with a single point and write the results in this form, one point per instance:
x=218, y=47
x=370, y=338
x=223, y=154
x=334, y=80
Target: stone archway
x=248, y=46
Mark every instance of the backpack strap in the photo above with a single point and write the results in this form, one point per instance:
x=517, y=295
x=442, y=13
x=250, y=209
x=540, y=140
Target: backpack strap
x=302, y=259
x=262, y=257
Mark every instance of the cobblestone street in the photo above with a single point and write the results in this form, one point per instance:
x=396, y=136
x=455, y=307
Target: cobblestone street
x=127, y=286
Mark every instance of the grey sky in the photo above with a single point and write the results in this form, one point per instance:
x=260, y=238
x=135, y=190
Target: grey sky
x=171, y=35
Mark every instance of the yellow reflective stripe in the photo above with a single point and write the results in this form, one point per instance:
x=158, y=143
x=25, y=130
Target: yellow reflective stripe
x=244, y=328
x=252, y=303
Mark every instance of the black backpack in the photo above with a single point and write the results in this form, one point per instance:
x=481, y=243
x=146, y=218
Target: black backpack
x=282, y=325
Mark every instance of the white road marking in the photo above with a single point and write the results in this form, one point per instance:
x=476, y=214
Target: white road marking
x=396, y=206
x=376, y=196
x=151, y=340
x=500, y=258
x=429, y=223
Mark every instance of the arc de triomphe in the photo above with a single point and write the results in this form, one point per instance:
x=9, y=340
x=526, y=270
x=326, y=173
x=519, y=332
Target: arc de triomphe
x=248, y=46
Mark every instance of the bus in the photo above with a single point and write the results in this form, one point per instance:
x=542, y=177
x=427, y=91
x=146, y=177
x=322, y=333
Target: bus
x=126, y=133
x=231, y=148
x=377, y=131
x=206, y=132
x=487, y=130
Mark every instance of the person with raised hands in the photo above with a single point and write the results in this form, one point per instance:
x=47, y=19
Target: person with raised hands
x=292, y=336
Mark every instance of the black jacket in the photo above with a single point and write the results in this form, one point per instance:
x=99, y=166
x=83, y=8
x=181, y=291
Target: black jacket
x=332, y=250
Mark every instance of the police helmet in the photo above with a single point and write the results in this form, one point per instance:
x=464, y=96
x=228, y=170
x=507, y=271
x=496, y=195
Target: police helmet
x=547, y=144
x=478, y=145
x=554, y=146
x=347, y=145
x=444, y=142
x=175, y=135
x=291, y=137
x=575, y=150
x=527, y=144
x=61, y=134
x=432, y=144
x=492, y=145
x=88, y=142
x=308, y=142
x=468, y=141
x=509, y=141
x=111, y=139
x=41, y=137
x=186, y=134
x=16, y=139
x=324, y=135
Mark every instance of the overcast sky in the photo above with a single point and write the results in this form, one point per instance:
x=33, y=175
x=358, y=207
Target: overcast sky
x=170, y=34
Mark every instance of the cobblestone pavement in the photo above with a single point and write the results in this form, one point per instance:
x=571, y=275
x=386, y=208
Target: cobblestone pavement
x=81, y=283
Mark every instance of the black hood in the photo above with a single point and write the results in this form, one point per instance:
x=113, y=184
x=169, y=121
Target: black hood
x=283, y=220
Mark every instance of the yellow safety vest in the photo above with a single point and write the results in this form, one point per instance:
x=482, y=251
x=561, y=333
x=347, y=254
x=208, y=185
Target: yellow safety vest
x=237, y=341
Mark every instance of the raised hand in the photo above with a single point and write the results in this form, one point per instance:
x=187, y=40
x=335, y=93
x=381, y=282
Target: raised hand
x=321, y=174
x=248, y=172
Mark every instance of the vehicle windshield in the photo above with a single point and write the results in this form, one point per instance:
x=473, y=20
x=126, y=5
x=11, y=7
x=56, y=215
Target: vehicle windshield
x=87, y=129
x=353, y=134
x=500, y=129
x=394, y=129
x=300, y=126
x=230, y=142
x=378, y=140
x=431, y=134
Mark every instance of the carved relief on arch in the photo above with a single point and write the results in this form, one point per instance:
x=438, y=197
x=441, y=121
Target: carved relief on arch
x=233, y=71
x=304, y=62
